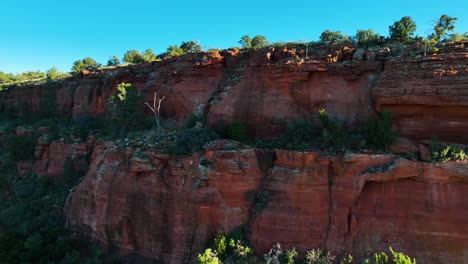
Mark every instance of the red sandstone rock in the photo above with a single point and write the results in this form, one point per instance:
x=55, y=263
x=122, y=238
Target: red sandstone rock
x=404, y=146
x=51, y=157
x=264, y=88
x=167, y=208
x=427, y=95
x=424, y=152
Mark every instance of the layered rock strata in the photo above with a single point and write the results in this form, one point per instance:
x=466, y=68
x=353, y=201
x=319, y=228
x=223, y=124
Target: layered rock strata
x=168, y=208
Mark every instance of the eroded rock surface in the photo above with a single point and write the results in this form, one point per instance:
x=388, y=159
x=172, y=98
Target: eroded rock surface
x=168, y=208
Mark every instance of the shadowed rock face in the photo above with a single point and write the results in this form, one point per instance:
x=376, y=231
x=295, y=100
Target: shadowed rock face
x=168, y=208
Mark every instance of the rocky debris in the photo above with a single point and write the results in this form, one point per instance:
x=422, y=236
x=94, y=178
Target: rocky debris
x=404, y=146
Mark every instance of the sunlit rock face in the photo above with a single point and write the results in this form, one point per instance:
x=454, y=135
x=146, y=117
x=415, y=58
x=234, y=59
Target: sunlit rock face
x=168, y=207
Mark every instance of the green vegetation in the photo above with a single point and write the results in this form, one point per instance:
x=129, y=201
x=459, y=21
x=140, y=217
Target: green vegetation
x=236, y=131
x=190, y=46
x=379, y=132
x=185, y=47
x=84, y=64
x=367, y=38
x=228, y=249
x=113, y=61
x=259, y=199
x=441, y=26
x=300, y=134
x=319, y=256
x=401, y=34
x=54, y=74
x=333, y=135
x=174, y=50
x=192, y=140
x=134, y=56
x=329, y=36
x=235, y=249
x=402, y=31
x=21, y=148
x=31, y=217
x=125, y=110
x=246, y=41
x=445, y=153
x=259, y=41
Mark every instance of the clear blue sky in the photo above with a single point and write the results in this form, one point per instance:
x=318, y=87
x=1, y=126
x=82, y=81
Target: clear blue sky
x=39, y=34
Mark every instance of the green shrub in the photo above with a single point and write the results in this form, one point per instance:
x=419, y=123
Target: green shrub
x=300, y=134
x=333, y=136
x=208, y=257
x=125, y=110
x=194, y=119
x=192, y=140
x=445, y=153
x=383, y=258
x=290, y=256
x=236, y=131
x=318, y=256
x=329, y=36
x=378, y=131
x=259, y=199
x=21, y=148
x=220, y=244
x=401, y=258
x=86, y=63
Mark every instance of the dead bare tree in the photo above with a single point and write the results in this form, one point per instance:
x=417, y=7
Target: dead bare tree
x=156, y=109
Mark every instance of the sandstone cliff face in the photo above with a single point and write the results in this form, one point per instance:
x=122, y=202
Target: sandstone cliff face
x=261, y=89
x=169, y=207
x=427, y=95
x=264, y=88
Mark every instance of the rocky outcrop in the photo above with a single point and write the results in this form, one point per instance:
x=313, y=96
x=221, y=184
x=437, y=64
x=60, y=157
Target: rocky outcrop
x=260, y=88
x=160, y=206
x=168, y=208
x=264, y=88
x=427, y=95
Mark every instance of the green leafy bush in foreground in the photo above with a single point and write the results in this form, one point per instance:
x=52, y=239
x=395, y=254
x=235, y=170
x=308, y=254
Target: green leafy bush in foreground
x=234, y=249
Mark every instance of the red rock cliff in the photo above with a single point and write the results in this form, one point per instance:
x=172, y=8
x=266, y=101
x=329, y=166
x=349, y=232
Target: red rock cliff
x=264, y=88
x=169, y=207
